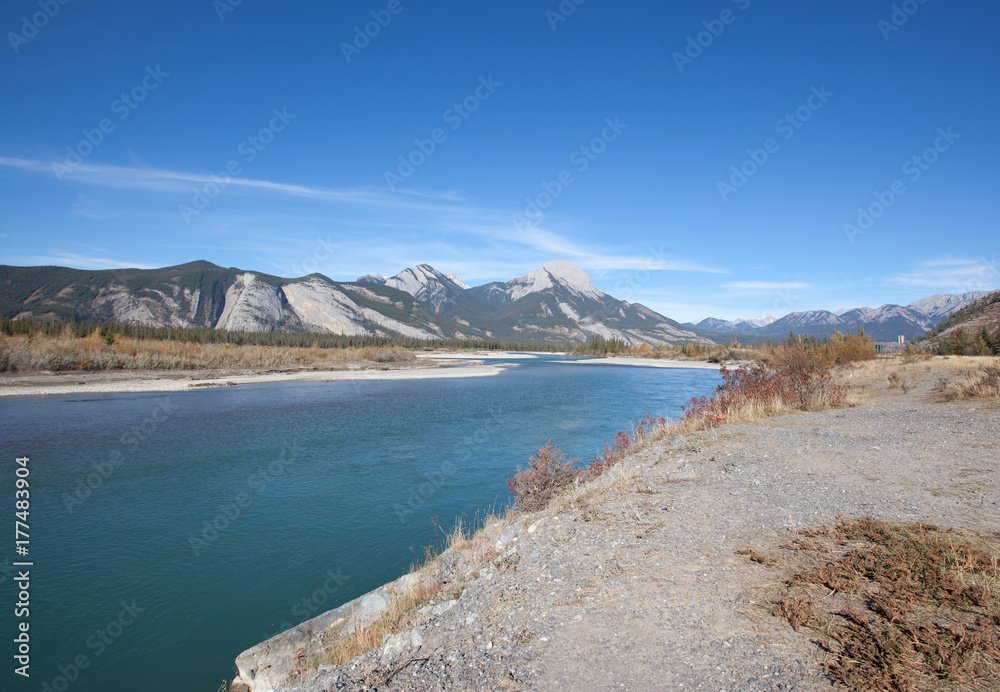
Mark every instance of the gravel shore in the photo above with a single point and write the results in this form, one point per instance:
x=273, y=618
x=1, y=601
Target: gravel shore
x=13, y=384
x=633, y=581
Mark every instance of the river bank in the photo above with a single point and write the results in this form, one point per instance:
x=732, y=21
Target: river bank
x=633, y=580
x=439, y=365
x=14, y=384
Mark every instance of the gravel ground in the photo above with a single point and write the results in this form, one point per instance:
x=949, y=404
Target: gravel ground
x=633, y=582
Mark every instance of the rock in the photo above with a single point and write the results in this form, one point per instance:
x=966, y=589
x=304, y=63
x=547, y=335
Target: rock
x=504, y=540
x=407, y=583
x=369, y=609
x=442, y=608
x=239, y=686
x=687, y=474
x=448, y=563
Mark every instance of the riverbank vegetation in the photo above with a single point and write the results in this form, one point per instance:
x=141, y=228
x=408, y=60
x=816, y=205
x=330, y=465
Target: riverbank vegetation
x=35, y=345
x=96, y=352
x=823, y=352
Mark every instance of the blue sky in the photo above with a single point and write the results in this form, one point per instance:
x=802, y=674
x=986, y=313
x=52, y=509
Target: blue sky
x=489, y=138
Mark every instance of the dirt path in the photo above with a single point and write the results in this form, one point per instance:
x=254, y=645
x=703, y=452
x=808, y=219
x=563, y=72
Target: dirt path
x=635, y=583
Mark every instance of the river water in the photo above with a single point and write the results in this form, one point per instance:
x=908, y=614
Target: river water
x=169, y=532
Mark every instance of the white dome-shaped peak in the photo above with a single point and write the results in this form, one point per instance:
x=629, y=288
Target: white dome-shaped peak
x=572, y=277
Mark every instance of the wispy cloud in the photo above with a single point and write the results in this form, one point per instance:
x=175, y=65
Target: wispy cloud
x=758, y=288
x=428, y=216
x=952, y=274
x=69, y=259
x=163, y=180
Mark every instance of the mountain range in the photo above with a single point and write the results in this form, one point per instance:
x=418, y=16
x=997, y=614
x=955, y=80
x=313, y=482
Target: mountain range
x=885, y=323
x=554, y=304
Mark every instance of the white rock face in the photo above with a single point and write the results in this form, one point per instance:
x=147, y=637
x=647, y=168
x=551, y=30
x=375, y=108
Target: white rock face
x=574, y=278
x=149, y=307
x=458, y=281
x=569, y=311
x=251, y=306
x=321, y=307
x=558, y=272
x=426, y=284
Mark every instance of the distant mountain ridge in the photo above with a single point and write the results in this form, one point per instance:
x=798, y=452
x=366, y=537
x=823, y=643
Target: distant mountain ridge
x=885, y=323
x=553, y=304
x=971, y=319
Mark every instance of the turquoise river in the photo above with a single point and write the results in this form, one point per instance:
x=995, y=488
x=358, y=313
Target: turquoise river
x=169, y=532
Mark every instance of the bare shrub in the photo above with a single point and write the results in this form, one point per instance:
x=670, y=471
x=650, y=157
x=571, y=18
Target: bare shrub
x=547, y=474
x=759, y=391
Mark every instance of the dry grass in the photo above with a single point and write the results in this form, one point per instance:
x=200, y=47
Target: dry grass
x=402, y=613
x=901, y=607
x=361, y=640
x=980, y=384
x=93, y=353
x=944, y=378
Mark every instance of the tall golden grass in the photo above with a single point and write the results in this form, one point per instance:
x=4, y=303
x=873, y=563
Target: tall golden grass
x=63, y=352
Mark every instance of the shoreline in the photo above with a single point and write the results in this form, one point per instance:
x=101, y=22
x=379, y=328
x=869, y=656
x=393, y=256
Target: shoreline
x=648, y=363
x=118, y=382
x=427, y=366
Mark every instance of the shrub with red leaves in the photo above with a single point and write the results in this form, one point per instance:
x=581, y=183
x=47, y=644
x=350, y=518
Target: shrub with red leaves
x=547, y=474
x=795, y=381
